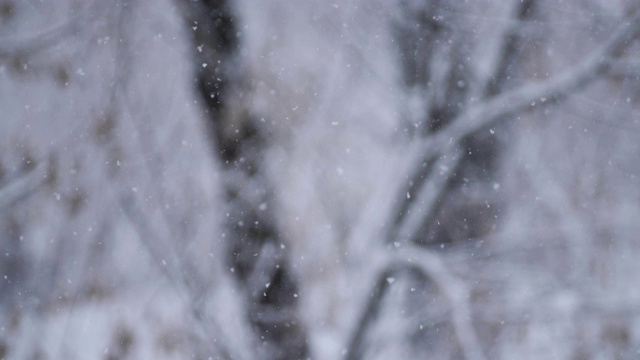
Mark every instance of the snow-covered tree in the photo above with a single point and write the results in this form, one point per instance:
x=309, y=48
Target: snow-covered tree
x=279, y=180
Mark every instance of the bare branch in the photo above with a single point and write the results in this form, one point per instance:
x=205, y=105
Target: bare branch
x=428, y=195
x=355, y=349
x=29, y=43
x=432, y=266
x=428, y=266
x=486, y=114
x=502, y=106
x=553, y=89
x=172, y=269
x=508, y=50
x=446, y=142
x=157, y=249
x=22, y=187
x=264, y=270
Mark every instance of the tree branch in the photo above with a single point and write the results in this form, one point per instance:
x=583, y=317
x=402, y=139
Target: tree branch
x=41, y=40
x=427, y=266
x=446, y=142
x=508, y=49
x=432, y=266
x=508, y=104
x=428, y=196
x=173, y=270
x=22, y=187
x=553, y=89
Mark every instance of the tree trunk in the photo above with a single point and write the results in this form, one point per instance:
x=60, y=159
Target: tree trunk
x=255, y=248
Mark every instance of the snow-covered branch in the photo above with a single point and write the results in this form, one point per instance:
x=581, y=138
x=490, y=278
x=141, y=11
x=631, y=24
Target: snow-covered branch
x=427, y=196
x=536, y=94
x=428, y=266
x=171, y=265
x=29, y=43
x=445, y=146
x=508, y=49
x=508, y=104
x=432, y=266
x=22, y=187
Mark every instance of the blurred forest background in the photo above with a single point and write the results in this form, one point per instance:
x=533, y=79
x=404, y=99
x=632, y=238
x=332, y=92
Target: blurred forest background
x=359, y=179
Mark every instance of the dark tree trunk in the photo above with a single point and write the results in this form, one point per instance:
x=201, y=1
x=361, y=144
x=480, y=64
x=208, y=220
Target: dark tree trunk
x=255, y=251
